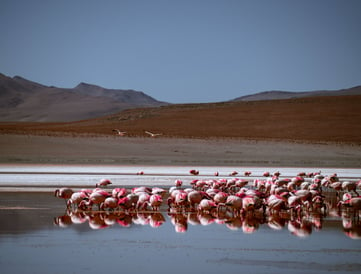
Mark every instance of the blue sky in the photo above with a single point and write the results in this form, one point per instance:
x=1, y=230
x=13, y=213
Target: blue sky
x=184, y=51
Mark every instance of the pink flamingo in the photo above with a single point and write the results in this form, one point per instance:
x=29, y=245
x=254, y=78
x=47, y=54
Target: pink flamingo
x=155, y=201
x=194, y=172
x=125, y=203
x=206, y=205
x=247, y=173
x=143, y=200
x=103, y=183
x=276, y=203
x=277, y=174
x=350, y=187
x=141, y=189
x=235, y=203
x=352, y=202
x=178, y=183
x=109, y=203
x=159, y=191
x=220, y=197
x=181, y=199
x=119, y=192
x=64, y=193
x=301, y=174
x=97, y=197
x=76, y=198
x=194, y=198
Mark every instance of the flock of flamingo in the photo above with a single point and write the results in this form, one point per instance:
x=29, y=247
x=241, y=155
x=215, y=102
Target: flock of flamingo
x=298, y=202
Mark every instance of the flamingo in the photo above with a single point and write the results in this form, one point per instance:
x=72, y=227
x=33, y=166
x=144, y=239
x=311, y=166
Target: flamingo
x=103, y=182
x=109, y=203
x=178, y=183
x=119, y=192
x=277, y=174
x=220, y=197
x=235, y=203
x=97, y=197
x=160, y=191
x=64, y=193
x=194, y=198
x=276, y=203
x=120, y=133
x=125, y=202
x=206, y=205
x=353, y=202
x=194, y=172
x=155, y=201
x=266, y=174
x=350, y=186
x=76, y=198
x=143, y=200
x=151, y=134
x=181, y=199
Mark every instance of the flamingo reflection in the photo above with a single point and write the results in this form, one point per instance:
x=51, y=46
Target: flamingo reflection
x=298, y=204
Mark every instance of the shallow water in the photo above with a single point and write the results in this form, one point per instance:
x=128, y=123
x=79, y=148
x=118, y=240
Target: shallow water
x=37, y=235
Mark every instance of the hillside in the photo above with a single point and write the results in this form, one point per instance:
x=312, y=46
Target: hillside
x=24, y=100
x=277, y=95
x=311, y=119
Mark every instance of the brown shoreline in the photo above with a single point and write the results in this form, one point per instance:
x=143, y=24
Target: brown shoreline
x=82, y=149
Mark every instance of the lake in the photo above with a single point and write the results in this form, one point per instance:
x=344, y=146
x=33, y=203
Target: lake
x=38, y=234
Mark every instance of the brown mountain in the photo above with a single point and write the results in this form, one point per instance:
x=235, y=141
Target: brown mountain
x=277, y=95
x=311, y=119
x=24, y=100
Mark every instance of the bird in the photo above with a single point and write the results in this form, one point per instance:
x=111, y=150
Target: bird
x=153, y=134
x=76, y=198
x=120, y=133
x=103, y=182
x=64, y=193
x=194, y=172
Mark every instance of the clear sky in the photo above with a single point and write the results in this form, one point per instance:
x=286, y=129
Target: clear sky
x=184, y=51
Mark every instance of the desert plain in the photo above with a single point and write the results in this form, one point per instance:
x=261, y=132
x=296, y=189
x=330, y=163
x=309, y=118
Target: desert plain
x=322, y=131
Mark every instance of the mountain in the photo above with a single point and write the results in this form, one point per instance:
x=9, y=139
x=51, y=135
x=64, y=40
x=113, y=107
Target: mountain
x=278, y=95
x=24, y=100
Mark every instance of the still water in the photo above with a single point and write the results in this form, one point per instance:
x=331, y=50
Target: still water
x=38, y=235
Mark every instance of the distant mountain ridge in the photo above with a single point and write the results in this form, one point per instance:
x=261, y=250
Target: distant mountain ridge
x=25, y=100
x=278, y=95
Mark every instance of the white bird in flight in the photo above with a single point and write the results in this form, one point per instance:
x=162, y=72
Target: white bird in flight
x=120, y=133
x=153, y=134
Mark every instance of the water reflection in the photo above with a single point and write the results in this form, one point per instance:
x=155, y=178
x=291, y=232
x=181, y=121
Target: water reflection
x=299, y=204
x=181, y=220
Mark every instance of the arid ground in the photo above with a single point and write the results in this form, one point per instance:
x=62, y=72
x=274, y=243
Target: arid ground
x=317, y=131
